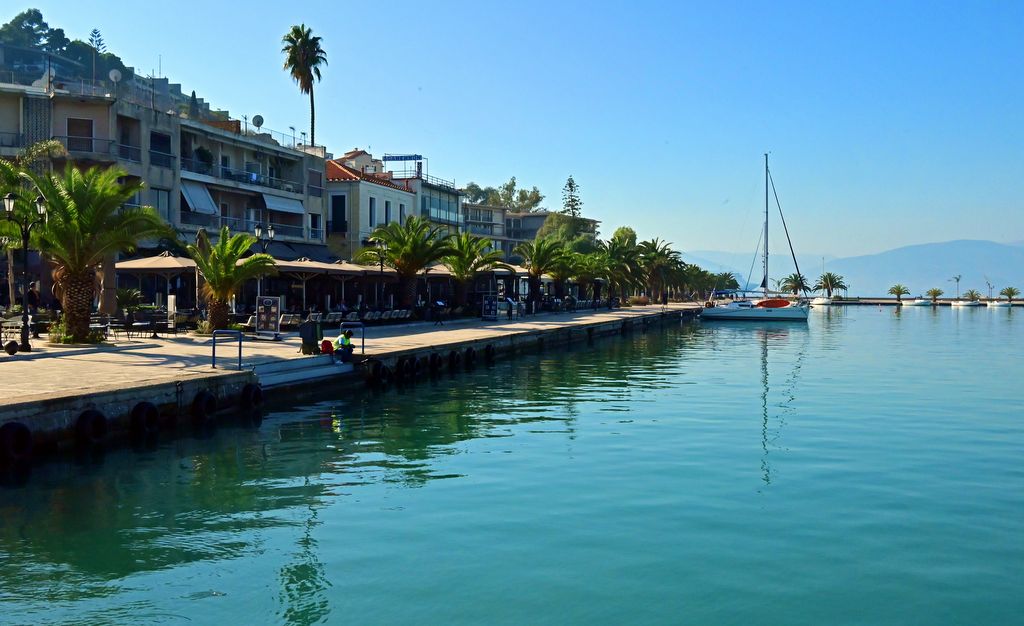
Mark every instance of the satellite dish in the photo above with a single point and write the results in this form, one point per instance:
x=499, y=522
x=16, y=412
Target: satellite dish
x=115, y=75
x=257, y=121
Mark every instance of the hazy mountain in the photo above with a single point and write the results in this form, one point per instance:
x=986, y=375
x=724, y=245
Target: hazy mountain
x=919, y=267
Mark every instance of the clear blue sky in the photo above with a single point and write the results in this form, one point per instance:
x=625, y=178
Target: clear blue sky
x=888, y=123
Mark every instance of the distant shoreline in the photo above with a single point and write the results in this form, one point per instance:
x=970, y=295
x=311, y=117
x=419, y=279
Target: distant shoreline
x=893, y=302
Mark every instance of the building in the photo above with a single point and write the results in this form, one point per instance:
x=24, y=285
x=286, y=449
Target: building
x=437, y=199
x=201, y=168
x=360, y=197
x=490, y=222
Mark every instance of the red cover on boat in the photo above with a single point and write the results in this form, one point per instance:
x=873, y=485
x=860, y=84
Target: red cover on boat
x=773, y=303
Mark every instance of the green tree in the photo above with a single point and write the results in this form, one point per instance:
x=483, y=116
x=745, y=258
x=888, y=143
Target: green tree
x=540, y=256
x=829, y=282
x=659, y=264
x=469, y=255
x=899, y=291
x=87, y=222
x=972, y=295
x=304, y=57
x=934, y=293
x=96, y=40
x=1010, y=293
x=726, y=280
x=27, y=29
x=225, y=268
x=572, y=205
x=794, y=284
x=406, y=248
x=623, y=257
x=506, y=195
x=588, y=269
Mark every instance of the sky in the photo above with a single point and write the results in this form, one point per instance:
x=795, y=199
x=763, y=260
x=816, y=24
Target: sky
x=887, y=123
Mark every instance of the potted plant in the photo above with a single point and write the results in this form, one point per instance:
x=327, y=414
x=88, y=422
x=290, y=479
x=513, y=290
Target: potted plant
x=205, y=158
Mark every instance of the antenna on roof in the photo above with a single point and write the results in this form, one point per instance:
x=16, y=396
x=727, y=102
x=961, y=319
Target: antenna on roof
x=257, y=121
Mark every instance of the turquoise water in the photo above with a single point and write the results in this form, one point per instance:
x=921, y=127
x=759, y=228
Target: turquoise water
x=865, y=468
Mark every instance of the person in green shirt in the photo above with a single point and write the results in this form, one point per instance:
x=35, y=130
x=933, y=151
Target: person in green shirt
x=343, y=345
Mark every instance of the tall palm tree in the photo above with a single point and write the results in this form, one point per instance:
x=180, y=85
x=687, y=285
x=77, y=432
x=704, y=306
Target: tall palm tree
x=624, y=270
x=794, y=283
x=829, y=282
x=972, y=295
x=899, y=291
x=87, y=222
x=469, y=256
x=406, y=248
x=934, y=293
x=589, y=268
x=303, y=58
x=225, y=268
x=658, y=260
x=540, y=256
x=1010, y=293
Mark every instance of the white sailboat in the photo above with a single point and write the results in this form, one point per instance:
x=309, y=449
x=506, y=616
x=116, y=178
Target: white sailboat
x=966, y=303
x=918, y=302
x=766, y=308
x=822, y=300
x=999, y=304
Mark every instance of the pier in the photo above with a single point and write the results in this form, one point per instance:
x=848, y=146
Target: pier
x=75, y=397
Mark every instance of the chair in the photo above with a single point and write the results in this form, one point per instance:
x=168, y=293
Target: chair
x=386, y=316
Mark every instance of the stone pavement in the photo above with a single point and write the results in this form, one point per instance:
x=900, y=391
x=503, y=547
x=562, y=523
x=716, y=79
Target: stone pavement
x=59, y=370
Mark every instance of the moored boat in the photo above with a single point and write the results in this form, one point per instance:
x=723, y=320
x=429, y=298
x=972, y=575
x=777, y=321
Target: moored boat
x=918, y=302
x=999, y=304
x=966, y=303
x=821, y=301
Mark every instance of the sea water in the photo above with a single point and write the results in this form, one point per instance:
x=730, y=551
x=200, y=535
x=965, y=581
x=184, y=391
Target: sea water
x=867, y=467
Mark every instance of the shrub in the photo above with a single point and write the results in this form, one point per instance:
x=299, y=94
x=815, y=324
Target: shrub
x=58, y=333
x=639, y=300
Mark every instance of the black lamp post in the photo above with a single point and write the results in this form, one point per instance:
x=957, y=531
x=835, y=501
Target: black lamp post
x=25, y=224
x=264, y=237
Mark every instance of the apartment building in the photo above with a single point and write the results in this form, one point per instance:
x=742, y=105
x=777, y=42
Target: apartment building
x=359, y=199
x=201, y=168
x=489, y=222
x=438, y=200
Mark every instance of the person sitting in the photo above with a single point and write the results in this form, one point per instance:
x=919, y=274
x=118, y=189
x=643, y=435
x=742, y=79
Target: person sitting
x=343, y=345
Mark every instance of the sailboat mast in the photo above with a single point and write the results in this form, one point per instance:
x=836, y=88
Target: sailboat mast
x=766, y=224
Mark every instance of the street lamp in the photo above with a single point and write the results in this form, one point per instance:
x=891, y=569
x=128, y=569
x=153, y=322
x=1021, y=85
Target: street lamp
x=25, y=224
x=264, y=237
x=382, y=250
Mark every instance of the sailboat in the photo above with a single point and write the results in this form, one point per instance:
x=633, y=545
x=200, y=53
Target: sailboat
x=822, y=300
x=766, y=308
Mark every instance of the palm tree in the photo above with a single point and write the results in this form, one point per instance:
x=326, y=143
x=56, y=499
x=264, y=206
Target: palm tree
x=829, y=282
x=972, y=295
x=934, y=293
x=623, y=257
x=899, y=291
x=87, y=222
x=540, y=257
x=225, y=268
x=406, y=248
x=658, y=260
x=794, y=283
x=469, y=256
x=589, y=268
x=726, y=280
x=303, y=58
x=1010, y=293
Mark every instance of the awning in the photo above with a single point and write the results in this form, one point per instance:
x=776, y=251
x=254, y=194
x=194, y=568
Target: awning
x=285, y=205
x=198, y=197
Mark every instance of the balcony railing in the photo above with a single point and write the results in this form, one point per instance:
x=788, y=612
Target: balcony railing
x=288, y=230
x=91, y=145
x=316, y=234
x=161, y=159
x=240, y=176
x=12, y=140
x=200, y=219
x=316, y=192
x=432, y=180
x=129, y=153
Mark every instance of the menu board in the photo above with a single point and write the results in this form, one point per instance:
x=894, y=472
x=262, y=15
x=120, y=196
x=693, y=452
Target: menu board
x=268, y=315
x=490, y=308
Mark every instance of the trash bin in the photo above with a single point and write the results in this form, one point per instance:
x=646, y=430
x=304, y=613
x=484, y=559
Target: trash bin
x=311, y=333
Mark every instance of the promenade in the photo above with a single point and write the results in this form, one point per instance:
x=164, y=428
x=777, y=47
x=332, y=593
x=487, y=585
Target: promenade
x=56, y=371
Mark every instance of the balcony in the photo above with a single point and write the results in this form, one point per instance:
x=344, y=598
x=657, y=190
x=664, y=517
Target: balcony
x=129, y=153
x=87, y=145
x=316, y=234
x=337, y=227
x=161, y=159
x=200, y=219
x=12, y=140
x=287, y=230
x=240, y=176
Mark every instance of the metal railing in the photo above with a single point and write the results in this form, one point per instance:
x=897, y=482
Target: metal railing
x=289, y=230
x=161, y=159
x=12, y=140
x=240, y=176
x=200, y=219
x=226, y=333
x=129, y=153
x=427, y=178
x=91, y=145
x=316, y=234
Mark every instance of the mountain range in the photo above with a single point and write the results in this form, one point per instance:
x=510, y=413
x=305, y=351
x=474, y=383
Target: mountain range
x=919, y=267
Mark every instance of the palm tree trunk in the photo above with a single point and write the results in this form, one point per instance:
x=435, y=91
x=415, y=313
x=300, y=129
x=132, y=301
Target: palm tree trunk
x=78, y=293
x=407, y=291
x=218, y=314
x=461, y=287
x=312, y=117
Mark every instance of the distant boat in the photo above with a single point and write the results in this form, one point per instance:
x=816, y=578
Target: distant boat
x=918, y=302
x=999, y=304
x=966, y=303
x=821, y=301
x=767, y=308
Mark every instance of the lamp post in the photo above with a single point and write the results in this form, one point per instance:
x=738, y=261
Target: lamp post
x=25, y=224
x=264, y=237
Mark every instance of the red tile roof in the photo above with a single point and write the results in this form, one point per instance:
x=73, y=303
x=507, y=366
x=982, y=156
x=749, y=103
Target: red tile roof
x=338, y=171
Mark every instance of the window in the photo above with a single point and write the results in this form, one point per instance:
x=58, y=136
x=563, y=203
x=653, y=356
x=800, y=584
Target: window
x=160, y=150
x=373, y=212
x=315, y=231
x=225, y=166
x=339, y=214
x=80, y=135
x=161, y=200
x=387, y=211
x=314, y=180
x=401, y=214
